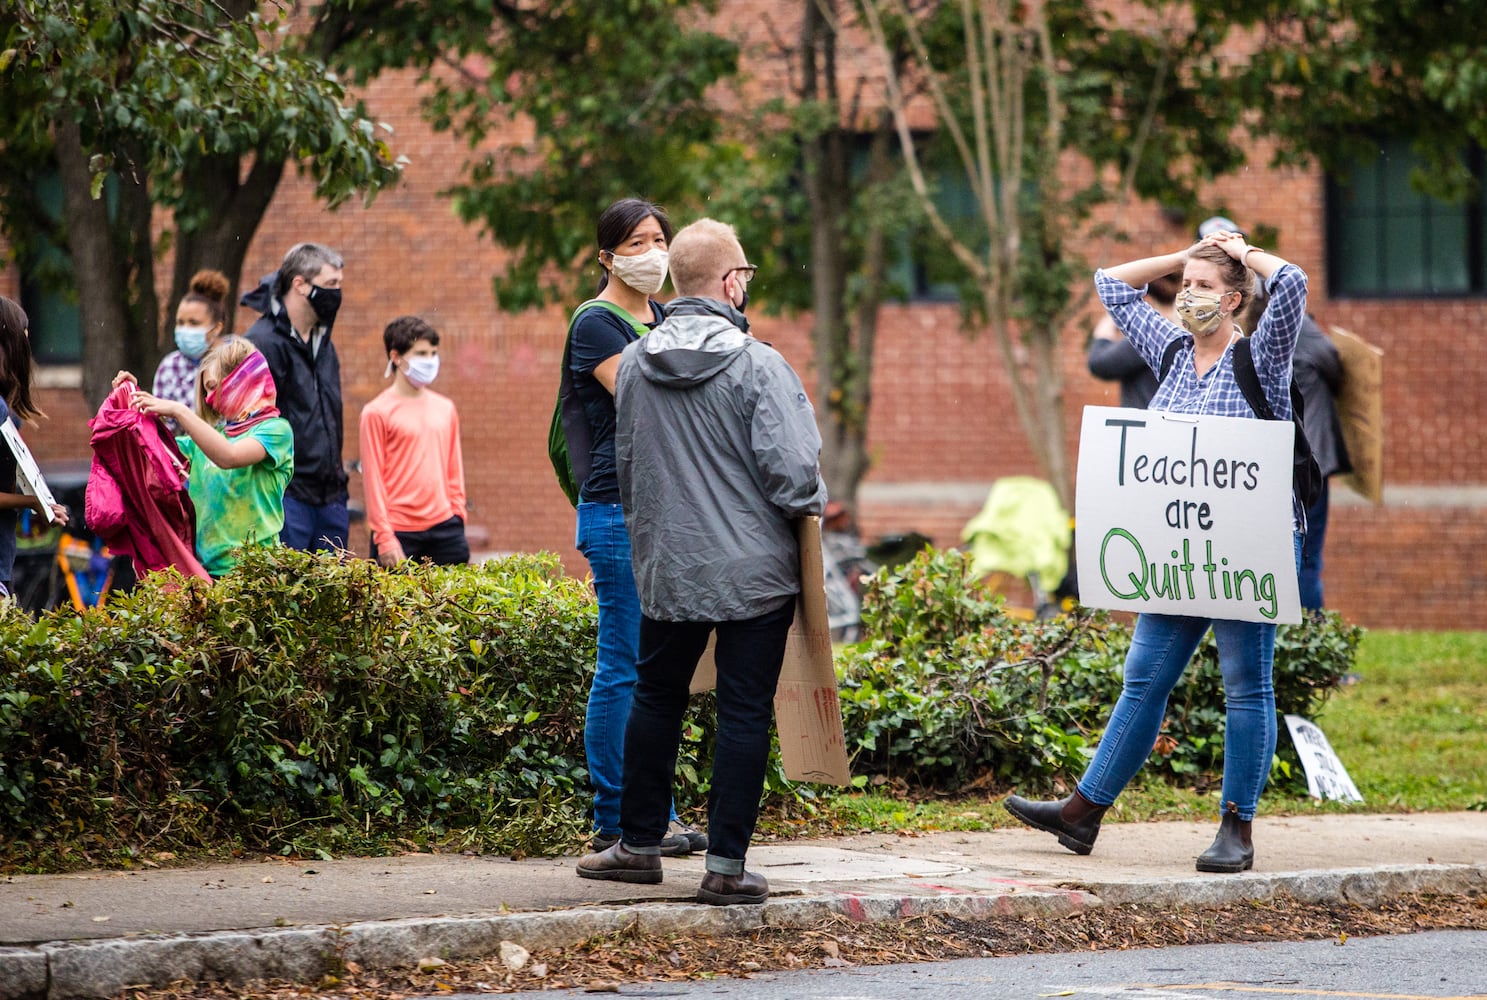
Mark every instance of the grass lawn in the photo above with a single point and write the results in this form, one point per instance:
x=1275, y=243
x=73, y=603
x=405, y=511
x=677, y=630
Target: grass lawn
x=1412, y=732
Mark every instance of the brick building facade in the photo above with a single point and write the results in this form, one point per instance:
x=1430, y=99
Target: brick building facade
x=942, y=427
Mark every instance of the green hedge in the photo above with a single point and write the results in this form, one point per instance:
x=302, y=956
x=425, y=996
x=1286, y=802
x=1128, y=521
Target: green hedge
x=303, y=703
x=306, y=704
x=947, y=690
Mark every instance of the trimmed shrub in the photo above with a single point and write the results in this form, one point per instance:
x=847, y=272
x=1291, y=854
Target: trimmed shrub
x=303, y=704
x=948, y=691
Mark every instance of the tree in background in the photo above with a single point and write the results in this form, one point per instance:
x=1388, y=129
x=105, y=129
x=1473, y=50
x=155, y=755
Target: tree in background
x=1330, y=79
x=821, y=200
x=614, y=96
x=1048, y=112
x=194, y=106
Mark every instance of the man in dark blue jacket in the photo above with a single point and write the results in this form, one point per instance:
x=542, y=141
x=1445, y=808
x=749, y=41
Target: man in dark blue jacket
x=298, y=304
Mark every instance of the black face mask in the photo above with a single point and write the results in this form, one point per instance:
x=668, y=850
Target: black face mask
x=744, y=305
x=326, y=302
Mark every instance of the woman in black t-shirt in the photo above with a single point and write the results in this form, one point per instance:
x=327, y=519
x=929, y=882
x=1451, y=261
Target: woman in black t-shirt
x=633, y=236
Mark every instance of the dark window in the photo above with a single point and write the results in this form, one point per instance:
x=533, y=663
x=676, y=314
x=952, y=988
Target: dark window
x=920, y=267
x=1385, y=238
x=49, y=286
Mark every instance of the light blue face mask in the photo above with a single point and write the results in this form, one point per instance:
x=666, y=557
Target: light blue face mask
x=191, y=341
x=421, y=371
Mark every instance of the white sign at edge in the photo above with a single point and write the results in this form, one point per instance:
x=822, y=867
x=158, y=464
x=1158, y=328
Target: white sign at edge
x=27, y=472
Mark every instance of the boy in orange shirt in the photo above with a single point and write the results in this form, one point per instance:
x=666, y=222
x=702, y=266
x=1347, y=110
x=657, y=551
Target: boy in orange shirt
x=410, y=456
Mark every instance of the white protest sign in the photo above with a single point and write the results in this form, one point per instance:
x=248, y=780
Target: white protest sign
x=1183, y=514
x=28, y=475
x=1326, y=778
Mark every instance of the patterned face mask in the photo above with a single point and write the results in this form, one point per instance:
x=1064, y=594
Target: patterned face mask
x=1200, y=311
x=245, y=396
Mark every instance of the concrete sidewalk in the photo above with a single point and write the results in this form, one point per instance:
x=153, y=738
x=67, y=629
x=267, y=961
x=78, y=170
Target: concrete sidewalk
x=93, y=934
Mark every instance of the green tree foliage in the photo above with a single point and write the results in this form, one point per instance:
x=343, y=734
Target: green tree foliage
x=615, y=96
x=1331, y=78
x=1047, y=114
x=616, y=110
x=191, y=105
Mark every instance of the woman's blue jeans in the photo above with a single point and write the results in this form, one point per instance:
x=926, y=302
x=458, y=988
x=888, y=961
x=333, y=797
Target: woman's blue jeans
x=605, y=543
x=1160, y=650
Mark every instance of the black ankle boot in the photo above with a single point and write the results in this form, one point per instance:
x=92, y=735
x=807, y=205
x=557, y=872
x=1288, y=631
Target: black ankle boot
x=1075, y=819
x=1232, y=850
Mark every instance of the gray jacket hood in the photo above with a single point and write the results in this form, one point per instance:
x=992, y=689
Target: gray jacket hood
x=700, y=338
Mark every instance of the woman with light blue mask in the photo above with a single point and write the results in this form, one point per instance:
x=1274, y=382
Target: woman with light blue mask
x=199, y=324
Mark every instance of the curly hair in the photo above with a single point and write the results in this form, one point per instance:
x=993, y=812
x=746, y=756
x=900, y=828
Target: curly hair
x=210, y=289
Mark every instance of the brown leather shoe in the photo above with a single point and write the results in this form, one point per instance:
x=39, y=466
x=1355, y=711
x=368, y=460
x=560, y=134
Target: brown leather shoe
x=726, y=890
x=615, y=864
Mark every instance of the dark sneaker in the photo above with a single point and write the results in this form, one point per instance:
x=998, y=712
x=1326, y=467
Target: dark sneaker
x=618, y=865
x=728, y=890
x=602, y=842
x=683, y=839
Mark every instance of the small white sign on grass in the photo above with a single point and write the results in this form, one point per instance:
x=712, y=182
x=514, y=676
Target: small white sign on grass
x=1326, y=778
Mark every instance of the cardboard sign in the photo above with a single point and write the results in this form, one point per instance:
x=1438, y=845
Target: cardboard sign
x=28, y=475
x=1186, y=515
x=1326, y=778
x=808, y=713
x=1360, y=408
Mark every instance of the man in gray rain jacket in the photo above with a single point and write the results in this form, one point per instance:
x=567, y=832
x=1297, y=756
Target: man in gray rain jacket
x=717, y=453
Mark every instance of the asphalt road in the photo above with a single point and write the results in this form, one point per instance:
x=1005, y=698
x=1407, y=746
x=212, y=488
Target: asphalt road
x=1438, y=965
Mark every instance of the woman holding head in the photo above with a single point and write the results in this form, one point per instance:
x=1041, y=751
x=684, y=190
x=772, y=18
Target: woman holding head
x=241, y=451
x=633, y=236
x=1218, y=275
x=16, y=407
x=200, y=319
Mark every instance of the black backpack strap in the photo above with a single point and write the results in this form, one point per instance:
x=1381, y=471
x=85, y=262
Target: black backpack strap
x=1249, y=380
x=1168, y=356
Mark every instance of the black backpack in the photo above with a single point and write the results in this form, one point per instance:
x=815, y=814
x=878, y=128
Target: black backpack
x=1306, y=474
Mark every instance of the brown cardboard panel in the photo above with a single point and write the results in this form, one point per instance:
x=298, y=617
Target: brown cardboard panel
x=808, y=713
x=1360, y=407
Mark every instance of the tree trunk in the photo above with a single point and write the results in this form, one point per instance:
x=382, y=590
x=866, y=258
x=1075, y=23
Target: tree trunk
x=220, y=241
x=101, y=291
x=826, y=159
x=134, y=240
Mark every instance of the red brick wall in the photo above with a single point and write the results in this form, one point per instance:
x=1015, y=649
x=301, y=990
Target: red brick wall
x=942, y=425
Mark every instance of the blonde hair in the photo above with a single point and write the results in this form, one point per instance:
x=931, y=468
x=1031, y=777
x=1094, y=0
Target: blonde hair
x=220, y=362
x=701, y=253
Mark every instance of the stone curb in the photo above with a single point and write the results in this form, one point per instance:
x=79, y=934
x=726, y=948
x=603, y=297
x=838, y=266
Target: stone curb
x=92, y=969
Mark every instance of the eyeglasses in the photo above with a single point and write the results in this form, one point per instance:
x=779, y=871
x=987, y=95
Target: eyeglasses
x=747, y=270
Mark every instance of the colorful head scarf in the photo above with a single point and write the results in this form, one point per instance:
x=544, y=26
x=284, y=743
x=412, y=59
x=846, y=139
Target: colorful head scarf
x=245, y=396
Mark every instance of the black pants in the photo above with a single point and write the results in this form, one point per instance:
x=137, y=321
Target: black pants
x=749, y=655
x=443, y=545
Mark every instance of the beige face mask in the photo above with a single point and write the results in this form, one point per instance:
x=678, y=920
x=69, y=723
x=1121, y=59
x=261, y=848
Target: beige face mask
x=644, y=272
x=1200, y=311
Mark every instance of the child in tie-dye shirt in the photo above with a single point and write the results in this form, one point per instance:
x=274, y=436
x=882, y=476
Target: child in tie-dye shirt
x=241, y=452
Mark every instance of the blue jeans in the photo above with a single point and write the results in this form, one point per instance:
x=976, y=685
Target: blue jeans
x=1160, y=649
x=605, y=543
x=1311, y=550
x=314, y=528
x=749, y=655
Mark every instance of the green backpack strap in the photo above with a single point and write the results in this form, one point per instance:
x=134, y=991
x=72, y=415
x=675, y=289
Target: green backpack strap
x=569, y=441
